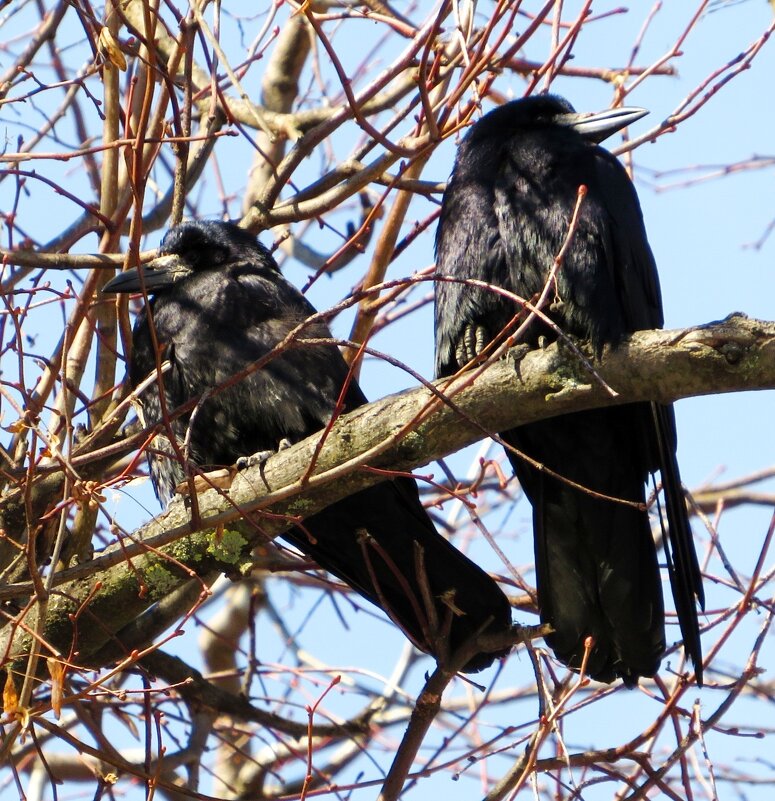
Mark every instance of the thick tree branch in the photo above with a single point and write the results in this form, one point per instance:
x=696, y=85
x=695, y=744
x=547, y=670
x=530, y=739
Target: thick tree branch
x=400, y=432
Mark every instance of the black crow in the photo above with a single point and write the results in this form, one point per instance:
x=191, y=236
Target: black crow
x=505, y=215
x=220, y=304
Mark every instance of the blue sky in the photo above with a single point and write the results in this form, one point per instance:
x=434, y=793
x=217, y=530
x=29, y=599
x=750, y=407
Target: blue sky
x=701, y=238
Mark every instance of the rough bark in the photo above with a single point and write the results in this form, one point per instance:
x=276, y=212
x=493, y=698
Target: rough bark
x=94, y=601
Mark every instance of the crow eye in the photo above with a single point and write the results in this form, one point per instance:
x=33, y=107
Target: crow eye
x=202, y=256
x=218, y=255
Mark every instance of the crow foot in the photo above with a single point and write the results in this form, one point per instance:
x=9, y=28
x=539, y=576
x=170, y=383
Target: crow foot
x=260, y=457
x=473, y=341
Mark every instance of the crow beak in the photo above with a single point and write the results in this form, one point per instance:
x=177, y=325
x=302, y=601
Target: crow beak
x=599, y=126
x=159, y=274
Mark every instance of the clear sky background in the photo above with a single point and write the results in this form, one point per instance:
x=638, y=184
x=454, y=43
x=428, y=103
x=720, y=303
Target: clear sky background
x=703, y=237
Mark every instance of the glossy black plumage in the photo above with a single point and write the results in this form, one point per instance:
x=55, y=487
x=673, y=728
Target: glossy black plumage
x=505, y=215
x=220, y=304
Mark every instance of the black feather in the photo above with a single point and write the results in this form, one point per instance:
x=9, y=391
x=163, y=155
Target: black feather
x=505, y=215
x=220, y=304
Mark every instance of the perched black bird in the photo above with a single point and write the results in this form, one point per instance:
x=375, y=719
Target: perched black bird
x=220, y=304
x=505, y=215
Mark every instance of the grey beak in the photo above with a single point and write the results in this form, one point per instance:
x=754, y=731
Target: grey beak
x=157, y=275
x=600, y=125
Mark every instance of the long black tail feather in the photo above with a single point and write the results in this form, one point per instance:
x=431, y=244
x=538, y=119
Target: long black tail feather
x=682, y=564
